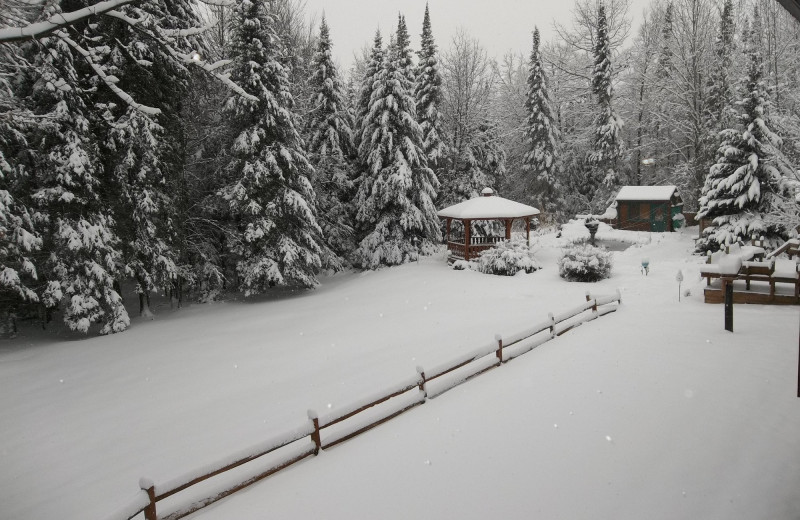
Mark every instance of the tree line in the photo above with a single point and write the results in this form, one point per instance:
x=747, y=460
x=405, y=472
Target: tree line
x=199, y=149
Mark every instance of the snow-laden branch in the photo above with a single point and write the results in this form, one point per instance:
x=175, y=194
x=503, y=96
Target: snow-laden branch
x=58, y=21
x=110, y=81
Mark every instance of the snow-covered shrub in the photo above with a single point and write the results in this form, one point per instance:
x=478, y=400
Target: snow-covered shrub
x=461, y=265
x=583, y=262
x=507, y=258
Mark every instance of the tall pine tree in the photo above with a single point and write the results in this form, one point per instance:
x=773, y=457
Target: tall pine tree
x=428, y=94
x=331, y=148
x=271, y=200
x=607, y=139
x=749, y=177
x=395, y=199
x=83, y=261
x=541, y=136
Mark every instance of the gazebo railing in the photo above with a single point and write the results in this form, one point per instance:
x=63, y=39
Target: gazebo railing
x=476, y=246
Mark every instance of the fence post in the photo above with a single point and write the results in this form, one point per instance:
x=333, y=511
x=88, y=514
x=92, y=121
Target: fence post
x=147, y=485
x=499, y=352
x=552, y=325
x=421, y=383
x=315, y=437
x=619, y=296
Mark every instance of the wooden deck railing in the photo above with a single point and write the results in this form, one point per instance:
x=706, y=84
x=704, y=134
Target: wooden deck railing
x=308, y=439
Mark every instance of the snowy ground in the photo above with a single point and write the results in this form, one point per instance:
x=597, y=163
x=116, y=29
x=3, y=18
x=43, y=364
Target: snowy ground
x=651, y=412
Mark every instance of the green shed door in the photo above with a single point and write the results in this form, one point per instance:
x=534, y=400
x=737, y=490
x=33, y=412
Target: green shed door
x=658, y=223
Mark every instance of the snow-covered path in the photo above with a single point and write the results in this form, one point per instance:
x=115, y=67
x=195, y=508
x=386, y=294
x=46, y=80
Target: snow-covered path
x=83, y=420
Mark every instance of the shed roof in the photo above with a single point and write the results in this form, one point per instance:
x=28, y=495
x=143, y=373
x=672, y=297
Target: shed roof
x=646, y=193
x=488, y=207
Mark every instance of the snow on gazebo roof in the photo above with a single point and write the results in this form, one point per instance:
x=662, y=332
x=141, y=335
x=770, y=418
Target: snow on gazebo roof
x=488, y=206
x=646, y=193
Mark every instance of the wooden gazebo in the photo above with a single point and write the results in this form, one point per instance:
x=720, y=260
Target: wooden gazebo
x=488, y=207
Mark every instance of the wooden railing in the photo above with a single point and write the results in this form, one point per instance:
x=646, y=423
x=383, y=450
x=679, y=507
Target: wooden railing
x=476, y=246
x=322, y=432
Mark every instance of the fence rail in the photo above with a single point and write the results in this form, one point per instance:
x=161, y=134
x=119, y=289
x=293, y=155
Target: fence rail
x=379, y=405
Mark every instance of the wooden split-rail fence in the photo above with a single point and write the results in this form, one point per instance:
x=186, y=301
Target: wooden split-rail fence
x=355, y=419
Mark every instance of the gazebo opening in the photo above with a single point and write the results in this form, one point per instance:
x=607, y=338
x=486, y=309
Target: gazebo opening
x=478, y=224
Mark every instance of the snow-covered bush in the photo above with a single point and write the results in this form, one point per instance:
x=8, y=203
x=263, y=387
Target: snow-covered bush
x=507, y=258
x=583, y=262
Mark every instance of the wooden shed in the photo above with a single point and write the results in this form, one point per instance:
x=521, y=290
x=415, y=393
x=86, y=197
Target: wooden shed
x=649, y=208
x=488, y=207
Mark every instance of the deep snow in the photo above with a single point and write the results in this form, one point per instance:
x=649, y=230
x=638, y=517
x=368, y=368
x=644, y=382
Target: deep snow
x=651, y=412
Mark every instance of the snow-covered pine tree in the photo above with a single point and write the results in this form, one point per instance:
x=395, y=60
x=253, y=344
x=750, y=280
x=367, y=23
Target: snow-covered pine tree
x=19, y=237
x=541, y=136
x=330, y=147
x=395, y=200
x=607, y=140
x=720, y=90
x=78, y=229
x=428, y=94
x=374, y=69
x=665, y=56
x=271, y=200
x=145, y=154
x=750, y=175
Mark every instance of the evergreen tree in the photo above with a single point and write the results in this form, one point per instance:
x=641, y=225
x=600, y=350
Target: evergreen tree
x=428, y=95
x=271, y=200
x=395, y=199
x=720, y=86
x=330, y=148
x=374, y=70
x=750, y=175
x=665, y=56
x=19, y=236
x=83, y=250
x=145, y=154
x=607, y=138
x=541, y=135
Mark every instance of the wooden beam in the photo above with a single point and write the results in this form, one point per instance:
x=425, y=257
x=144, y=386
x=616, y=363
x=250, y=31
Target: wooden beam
x=793, y=6
x=467, y=237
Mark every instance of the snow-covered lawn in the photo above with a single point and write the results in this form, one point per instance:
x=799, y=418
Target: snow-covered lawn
x=651, y=412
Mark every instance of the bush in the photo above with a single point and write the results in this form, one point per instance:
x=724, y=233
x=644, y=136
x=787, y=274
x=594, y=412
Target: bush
x=507, y=258
x=583, y=262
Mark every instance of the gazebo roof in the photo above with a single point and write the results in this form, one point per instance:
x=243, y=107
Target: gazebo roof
x=488, y=206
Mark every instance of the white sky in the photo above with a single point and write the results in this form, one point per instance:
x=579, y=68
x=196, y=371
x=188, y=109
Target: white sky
x=500, y=25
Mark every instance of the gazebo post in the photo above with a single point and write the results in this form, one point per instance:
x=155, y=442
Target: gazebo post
x=447, y=239
x=528, y=230
x=467, y=238
x=509, y=222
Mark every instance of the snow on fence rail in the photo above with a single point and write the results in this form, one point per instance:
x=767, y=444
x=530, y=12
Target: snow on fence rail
x=365, y=413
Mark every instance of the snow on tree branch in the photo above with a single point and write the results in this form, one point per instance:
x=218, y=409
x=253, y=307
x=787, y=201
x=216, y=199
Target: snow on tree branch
x=56, y=22
x=108, y=80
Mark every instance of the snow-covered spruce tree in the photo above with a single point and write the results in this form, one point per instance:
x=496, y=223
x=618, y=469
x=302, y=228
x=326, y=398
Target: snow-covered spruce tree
x=750, y=175
x=83, y=258
x=541, y=135
x=144, y=154
x=330, y=147
x=375, y=68
x=428, y=95
x=271, y=200
x=395, y=201
x=19, y=237
x=720, y=92
x=607, y=140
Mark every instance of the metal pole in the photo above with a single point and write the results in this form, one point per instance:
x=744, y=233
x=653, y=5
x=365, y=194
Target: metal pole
x=728, y=282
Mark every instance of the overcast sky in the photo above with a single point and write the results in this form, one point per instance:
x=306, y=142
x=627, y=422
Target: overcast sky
x=500, y=25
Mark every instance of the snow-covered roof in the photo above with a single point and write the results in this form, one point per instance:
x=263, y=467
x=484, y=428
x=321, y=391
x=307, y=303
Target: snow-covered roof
x=646, y=193
x=488, y=207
